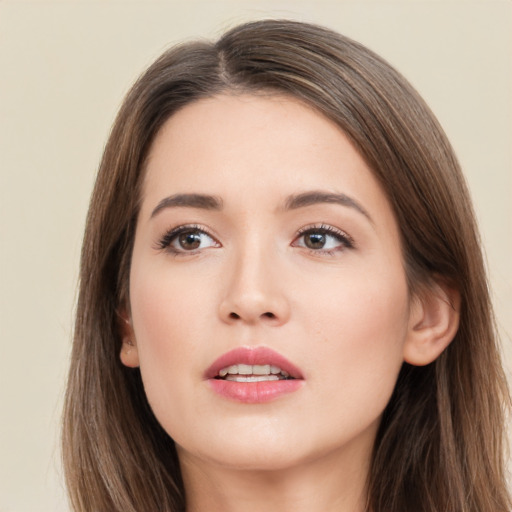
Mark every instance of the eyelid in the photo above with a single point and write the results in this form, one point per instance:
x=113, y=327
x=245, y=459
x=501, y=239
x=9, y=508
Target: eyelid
x=346, y=241
x=164, y=242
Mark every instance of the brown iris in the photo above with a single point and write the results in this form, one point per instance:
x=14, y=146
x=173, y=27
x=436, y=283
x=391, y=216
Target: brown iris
x=314, y=240
x=189, y=241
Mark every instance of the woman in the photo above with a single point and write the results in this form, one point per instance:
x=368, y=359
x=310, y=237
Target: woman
x=282, y=298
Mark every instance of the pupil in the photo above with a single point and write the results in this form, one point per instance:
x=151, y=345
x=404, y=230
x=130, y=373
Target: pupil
x=315, y=241
x=190, y=240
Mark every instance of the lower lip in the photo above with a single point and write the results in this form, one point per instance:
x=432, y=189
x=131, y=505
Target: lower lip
x=254, y=392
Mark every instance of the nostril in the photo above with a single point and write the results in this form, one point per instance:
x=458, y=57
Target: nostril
x=249, y=317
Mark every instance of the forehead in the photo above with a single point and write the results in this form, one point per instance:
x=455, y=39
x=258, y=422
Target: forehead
x=253, y=149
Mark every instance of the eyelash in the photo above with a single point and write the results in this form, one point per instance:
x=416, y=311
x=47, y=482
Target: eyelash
x=169, y=237
x=347, y=242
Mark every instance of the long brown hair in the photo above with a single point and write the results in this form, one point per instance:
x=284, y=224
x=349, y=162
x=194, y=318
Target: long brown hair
x=440, y=443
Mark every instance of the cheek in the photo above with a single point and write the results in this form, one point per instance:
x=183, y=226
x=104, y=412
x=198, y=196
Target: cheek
x=153, y=311
x=168, y=330
x=165, y=305
x=359, y=331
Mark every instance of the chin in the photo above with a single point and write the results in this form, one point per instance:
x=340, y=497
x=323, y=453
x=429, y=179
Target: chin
x=248, y=458
x=253, y=451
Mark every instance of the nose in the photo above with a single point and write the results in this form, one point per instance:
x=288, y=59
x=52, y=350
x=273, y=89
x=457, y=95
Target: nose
x=254, y=294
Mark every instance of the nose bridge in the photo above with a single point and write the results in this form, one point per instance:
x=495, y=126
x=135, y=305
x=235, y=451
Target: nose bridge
x=254, y=293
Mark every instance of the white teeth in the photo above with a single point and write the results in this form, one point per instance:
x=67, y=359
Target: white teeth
x=244, y=369
x=252, y=378
x=266, y=371
x=261, y=369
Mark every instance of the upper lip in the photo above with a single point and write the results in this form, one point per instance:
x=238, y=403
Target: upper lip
x=252, y=355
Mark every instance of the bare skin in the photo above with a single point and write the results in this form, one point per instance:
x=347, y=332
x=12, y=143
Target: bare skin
x=261, y=227
x=320, y=485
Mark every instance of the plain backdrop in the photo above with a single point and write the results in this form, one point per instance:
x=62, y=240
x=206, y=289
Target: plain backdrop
x=64, y=69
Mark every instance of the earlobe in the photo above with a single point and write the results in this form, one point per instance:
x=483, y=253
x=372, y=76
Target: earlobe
x=433, y=323
x=129, y=354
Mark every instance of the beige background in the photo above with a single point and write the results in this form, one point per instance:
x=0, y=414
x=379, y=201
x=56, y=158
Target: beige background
x=64, y=68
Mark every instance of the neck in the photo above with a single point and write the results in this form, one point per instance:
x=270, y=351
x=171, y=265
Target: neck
x=333, y=482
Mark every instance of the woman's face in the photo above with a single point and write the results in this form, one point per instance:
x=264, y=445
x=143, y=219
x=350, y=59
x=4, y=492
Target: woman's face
x=265, y=247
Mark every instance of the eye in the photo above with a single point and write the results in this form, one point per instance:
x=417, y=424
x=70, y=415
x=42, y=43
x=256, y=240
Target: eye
x=323, y=239
x=185, y=239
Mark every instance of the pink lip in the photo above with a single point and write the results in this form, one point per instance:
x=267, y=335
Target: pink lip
x=253, y=392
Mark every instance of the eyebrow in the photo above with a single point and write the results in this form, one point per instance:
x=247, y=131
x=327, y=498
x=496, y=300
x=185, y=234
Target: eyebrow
x=201, y=201
x=294, y=202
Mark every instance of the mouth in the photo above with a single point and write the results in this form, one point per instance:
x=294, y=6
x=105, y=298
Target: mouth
x=253, y=375
x=262, y=363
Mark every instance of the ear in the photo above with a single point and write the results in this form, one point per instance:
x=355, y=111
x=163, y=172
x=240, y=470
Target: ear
x=129, y=354
x=433, y=323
